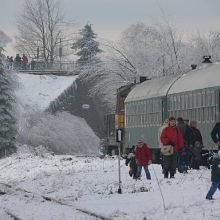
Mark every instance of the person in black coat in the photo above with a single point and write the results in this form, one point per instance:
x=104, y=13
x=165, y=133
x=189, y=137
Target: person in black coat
x=132, y=163
x=215, y=134
x=215, y=176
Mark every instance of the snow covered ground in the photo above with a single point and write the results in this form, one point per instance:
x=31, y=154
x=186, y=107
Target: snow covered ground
x=38, y=185
x=76, y=185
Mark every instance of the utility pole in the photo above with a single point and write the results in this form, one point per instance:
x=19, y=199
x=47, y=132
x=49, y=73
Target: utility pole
x=60, y=54
x=119, y=140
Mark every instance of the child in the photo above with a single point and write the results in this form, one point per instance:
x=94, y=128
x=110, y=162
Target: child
x=215, y=176
x=143, y=156
x=132, y=163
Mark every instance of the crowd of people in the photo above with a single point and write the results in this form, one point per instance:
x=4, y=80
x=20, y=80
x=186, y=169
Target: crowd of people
x=17, y=63
x=181, y=144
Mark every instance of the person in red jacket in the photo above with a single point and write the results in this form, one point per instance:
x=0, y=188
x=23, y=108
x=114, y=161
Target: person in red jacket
x=24, y=62
x=143, y=156
x=171, y=135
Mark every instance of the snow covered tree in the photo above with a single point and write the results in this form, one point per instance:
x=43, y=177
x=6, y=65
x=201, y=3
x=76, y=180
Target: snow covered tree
x=8, y=128
x=42, y=24
x=86, y=46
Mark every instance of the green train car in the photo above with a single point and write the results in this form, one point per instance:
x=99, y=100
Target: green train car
x=193, y=96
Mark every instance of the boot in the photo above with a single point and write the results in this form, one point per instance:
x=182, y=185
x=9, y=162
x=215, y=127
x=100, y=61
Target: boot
x=172, y=175
x=165, y=174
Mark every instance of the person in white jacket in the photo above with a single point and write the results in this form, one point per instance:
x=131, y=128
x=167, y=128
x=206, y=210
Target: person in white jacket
x=165, y=124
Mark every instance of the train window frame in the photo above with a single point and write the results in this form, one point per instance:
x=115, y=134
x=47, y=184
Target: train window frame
x=171, y=103
x=182, y=102
x=178, y=102
x=203, y=99
x=213, y=98
x=190, y=101
x=186, y=101
x=208, y=98
x=199, y=100
x=194, y=104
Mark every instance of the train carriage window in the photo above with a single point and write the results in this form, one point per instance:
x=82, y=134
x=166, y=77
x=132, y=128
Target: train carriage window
x=174, y=103
x=198, y=115
x=213, y=98
x=145, y=107
x=199, y=100
x=186, y=102
x=203, y=114
x=194, y=101
x=212, y=114
x=194, y=114
x=171, y=103
x=190, y=100
x=203, y=99
x=208, y=98
x=182, y=102
x=178, y=102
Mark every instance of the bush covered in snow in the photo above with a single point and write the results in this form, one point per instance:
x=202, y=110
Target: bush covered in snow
x=62, y=133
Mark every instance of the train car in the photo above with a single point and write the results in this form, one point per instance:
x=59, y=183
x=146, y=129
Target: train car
x=194, y=96
x=116, y=121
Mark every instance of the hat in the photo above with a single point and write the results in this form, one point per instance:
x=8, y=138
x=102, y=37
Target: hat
x=133, y=147
x=171, y=118
x=140, y=142
x=180, y=119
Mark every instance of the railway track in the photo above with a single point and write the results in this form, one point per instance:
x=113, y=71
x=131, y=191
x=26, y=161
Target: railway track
x=8, y=189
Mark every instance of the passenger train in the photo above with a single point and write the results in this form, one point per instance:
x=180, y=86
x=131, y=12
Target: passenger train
x=194, y=96
x=142, y=108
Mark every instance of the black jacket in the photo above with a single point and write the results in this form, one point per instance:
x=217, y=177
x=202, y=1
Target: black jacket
x=215, y=176
x=187, y=133
x=215, y=134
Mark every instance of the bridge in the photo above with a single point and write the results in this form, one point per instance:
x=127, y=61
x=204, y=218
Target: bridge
x=51, y=68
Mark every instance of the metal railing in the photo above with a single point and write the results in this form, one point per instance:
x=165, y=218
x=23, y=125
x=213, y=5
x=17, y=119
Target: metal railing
x=56, y=65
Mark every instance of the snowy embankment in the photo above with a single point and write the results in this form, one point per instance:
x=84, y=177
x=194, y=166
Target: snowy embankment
x=91, y=184
x=62, y=133
x=37, y=91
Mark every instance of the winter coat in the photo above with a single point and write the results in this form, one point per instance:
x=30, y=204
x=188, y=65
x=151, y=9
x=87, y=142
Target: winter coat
x=184, y=155
x=216, y=132
x=197, y=135
x=18, y=59
x=24, y=59
x=165, y=124
x=143, y=155
x=168, y=135
x=187, y=133
x=215, y=175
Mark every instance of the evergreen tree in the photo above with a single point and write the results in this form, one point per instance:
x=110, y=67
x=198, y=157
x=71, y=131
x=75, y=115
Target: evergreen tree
x=86, y=46
x=8, y=128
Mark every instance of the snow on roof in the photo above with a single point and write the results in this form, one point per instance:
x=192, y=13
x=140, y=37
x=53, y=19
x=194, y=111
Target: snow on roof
x=198, y=79
x=37, y=91
x=152, y=88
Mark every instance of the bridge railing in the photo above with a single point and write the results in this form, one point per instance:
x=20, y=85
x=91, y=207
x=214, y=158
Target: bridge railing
x=56, y=65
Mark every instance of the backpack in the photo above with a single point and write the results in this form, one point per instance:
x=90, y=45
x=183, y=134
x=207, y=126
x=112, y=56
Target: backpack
x=218, y=168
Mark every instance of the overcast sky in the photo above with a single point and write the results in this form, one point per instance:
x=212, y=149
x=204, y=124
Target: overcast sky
x=111, y=17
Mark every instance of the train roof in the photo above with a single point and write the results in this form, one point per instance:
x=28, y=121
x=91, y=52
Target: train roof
x=198, y=79
x=152, y=88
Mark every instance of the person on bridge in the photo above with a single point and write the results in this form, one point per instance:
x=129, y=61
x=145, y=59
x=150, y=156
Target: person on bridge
x=24, y=62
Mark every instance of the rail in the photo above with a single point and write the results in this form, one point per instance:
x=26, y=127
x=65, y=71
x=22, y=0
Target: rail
x=44, y=65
